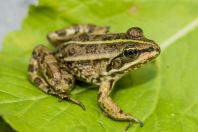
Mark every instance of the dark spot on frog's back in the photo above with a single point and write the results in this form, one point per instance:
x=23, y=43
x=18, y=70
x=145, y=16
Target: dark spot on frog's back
x=71, y=52
x=99, y=95
x=85, y=62
x=69, y=81
x=113, y=36
x=112, y=47
x=91, y=28
x=83, y=37
x=120, y=111
x=37, y=81
x=76, y=29
x=91, y=49
x=107, y=37
x=31, y=68
x=68, y=66
x=110, y=36
x=34, y=55
x=43, y=57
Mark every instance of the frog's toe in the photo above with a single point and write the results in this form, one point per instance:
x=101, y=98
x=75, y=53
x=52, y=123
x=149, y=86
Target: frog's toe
x=78, y=103
x=81, y=105
x=128, y=126
x=134, y=120
x=72, y=100
x=140, y=122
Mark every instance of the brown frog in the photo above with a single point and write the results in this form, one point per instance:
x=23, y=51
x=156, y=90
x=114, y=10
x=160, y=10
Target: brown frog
x=90, y=53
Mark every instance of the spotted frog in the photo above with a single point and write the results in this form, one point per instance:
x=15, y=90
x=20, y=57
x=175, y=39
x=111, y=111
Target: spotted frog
x=91, y=54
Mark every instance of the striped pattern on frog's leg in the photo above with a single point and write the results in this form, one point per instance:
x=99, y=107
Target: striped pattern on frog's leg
x=34, y=77
x=45, y=73
x=71, y=33
x=109, y=107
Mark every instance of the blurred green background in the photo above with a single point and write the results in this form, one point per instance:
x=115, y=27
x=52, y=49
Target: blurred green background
x=162, y=94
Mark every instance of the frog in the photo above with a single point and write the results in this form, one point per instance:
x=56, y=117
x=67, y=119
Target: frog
x=93, y=54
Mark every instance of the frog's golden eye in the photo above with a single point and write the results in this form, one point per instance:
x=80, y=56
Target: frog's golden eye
x=131, y=53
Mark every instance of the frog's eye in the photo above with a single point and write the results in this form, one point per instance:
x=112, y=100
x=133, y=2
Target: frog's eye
x=135, y=32
x=131, y=53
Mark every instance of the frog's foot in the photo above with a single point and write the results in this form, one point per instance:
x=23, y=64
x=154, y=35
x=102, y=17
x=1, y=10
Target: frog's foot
x=135, y=120
x=70, y=33
x=66, y=97
x=110, y=108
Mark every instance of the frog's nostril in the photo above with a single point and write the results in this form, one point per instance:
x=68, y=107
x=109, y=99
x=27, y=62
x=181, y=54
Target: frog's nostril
x=158, y=49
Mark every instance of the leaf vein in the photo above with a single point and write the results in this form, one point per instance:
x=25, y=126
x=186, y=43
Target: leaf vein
x=22, y=100
x=181, y=33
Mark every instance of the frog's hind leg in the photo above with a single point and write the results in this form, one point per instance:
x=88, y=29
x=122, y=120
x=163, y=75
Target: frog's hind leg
x=109, y=107
x=45, y=73
x=34, y=77
x=69, y=33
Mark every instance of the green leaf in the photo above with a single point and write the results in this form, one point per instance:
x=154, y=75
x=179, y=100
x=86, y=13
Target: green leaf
x=4, y=126
x=162, y=94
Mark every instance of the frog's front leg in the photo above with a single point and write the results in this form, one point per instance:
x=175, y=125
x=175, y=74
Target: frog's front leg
x=71, y=33
x=45, y=72
x=109, y=107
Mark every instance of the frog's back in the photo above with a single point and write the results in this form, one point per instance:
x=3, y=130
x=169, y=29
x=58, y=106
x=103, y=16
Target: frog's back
x=85, y=60
x=78, y=51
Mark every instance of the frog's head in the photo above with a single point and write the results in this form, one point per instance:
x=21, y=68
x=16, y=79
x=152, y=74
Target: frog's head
x=135, y=52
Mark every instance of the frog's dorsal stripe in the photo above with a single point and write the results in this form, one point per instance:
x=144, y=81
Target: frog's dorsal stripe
x=91, y=57
x=98, y=55
x=108, y=41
